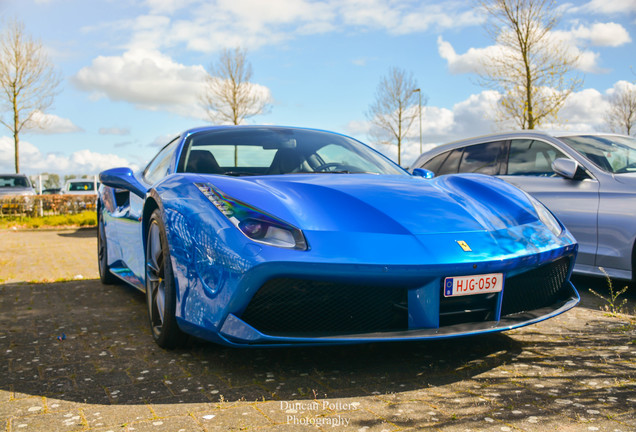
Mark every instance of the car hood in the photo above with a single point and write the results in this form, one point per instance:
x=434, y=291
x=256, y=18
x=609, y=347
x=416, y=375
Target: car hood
x=384, y=204
x=90, y=192
x=16, y=191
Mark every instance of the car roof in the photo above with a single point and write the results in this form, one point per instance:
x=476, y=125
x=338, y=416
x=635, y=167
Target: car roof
x=526, y=133
x=533, y=133
x=237, y=127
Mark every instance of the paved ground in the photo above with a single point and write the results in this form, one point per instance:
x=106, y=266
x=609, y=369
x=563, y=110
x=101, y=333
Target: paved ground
x=78, y=355
x=57, y=254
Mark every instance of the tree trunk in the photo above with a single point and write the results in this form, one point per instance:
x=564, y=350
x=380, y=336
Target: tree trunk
x=529, y=102
x=399, y=138
x=16, y=134
x=17, y=157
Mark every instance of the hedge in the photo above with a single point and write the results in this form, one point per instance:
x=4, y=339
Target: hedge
x=41, y=205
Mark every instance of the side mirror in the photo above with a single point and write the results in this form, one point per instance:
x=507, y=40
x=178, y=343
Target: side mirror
x=565, y=167
x=421, y=172
x=122, y=178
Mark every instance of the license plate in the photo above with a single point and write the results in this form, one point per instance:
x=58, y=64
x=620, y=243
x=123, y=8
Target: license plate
x=474, y=284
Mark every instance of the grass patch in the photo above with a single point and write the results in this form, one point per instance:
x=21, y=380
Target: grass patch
x=86, y=218
x=613, y=306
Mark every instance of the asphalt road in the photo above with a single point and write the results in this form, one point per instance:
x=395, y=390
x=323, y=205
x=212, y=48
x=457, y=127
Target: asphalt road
x=77, y=355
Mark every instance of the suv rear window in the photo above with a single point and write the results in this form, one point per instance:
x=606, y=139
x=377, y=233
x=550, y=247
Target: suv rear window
x=479, y=158
x=482, y=158
x=450, y=165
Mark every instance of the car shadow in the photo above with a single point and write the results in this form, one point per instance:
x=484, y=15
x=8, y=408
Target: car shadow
x=86, y=342
x=87, y=232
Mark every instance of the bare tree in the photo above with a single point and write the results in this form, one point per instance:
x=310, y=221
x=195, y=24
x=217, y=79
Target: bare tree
x=621, y=116
x=395, y=108
x=28, y=83
x=230, y=97
x=531, y=67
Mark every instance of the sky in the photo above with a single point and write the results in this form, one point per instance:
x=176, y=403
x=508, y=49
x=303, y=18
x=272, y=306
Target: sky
x=132, y=70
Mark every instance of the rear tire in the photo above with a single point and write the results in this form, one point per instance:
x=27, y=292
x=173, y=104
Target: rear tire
x=160, y=286
x=105, y=275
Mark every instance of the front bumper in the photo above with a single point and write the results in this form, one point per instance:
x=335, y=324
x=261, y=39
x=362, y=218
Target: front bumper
x=312, y=304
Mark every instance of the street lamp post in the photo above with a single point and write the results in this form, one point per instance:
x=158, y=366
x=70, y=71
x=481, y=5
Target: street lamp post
x=419, y=97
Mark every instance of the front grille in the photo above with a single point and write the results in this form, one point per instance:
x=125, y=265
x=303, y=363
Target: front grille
x=297, y=306
x=536, y=288
x=466, y=309
x=527, y=291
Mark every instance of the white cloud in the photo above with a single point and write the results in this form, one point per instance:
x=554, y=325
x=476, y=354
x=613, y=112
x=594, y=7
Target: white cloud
x=151, y=80
x=149, y=31
x=447, y=15
x=146, y=78
x=208, y=26
x=211, y=26
x=469, y=62
x=588, y=62
x=583, y=111
x=52, y=124
x=586, y=110
x=93, y=162
x=599, y=34
x=602, y=34
x=568, y=43
x=404, y=17
x=167, y=6
x=609, y=7
x=621, y=86
x=33, y=161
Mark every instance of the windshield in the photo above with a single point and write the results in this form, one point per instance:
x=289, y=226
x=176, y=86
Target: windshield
x=81, y=186
x=273, y=151
x=614, y=154
x=13, y=182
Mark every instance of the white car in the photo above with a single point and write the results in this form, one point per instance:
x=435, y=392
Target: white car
x=15, y=185
x=80, y=187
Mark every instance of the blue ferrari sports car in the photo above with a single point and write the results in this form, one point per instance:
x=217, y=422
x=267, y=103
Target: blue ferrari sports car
x=264, y=236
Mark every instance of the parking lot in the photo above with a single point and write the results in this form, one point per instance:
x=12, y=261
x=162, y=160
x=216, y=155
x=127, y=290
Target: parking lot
x=78, y=355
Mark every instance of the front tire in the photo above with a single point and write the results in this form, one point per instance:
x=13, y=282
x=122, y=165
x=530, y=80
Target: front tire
x=105, y=275
x=160, y=286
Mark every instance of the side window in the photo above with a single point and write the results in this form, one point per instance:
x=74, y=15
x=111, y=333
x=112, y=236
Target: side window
x=158, y=167
x=530, y=157
x=435, y=163
x=451, y=164
x=482, y=158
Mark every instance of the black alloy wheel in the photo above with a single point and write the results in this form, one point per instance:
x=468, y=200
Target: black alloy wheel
x=160, y=287
x=105, y=275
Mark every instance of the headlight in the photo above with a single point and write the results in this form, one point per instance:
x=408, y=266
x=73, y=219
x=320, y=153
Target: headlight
x=546, y=217
x=255, y=224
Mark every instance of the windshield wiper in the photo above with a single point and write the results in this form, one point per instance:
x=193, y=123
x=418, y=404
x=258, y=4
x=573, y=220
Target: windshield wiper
x=332, y=172
x=240, y=173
